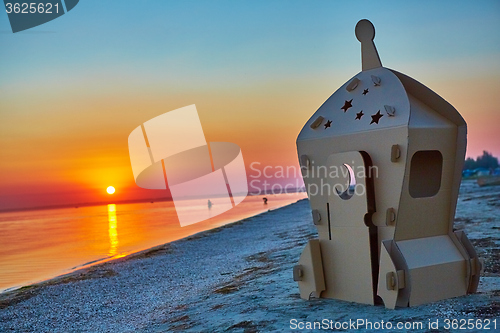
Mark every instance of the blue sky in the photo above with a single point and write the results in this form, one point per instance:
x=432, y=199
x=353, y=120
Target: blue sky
x=251, y=38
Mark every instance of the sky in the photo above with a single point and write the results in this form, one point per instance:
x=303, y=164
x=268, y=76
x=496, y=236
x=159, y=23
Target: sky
x=73, y=89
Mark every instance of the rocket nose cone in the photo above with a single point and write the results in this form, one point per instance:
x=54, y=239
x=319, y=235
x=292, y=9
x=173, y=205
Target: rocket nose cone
x=365, y=31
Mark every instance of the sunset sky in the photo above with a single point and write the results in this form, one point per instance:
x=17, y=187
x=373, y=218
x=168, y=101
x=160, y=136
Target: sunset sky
x=73, y=89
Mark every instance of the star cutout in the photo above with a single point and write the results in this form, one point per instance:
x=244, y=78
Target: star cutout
x=328, y=124
x=365, y=91
x=347, y=105
x=376, y=117
x=359, y=115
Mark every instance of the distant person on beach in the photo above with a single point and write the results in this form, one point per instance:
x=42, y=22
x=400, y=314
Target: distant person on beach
x=209, y=204
x=265, y=200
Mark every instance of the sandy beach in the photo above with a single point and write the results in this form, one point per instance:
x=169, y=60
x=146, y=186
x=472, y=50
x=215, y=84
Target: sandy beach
x=237, y=278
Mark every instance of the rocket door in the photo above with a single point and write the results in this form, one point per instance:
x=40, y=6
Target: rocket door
x=350, y=253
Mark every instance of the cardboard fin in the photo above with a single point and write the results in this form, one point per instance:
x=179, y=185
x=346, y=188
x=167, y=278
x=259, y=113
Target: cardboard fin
x=309, y=272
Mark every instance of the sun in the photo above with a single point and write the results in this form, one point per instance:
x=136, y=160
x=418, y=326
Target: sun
x=110, y=190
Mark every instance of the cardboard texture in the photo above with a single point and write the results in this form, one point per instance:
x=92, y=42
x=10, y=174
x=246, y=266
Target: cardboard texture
x=381, y=160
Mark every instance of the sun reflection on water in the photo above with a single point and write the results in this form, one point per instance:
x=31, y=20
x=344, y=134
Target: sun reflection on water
x=113, y=230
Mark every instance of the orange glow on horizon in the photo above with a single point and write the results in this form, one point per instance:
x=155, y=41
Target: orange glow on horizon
x=75, y=166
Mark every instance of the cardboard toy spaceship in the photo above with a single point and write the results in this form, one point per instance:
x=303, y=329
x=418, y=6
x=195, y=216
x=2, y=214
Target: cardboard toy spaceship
x=381, y=160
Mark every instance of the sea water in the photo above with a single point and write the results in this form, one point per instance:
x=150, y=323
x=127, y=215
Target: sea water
x=36, y=245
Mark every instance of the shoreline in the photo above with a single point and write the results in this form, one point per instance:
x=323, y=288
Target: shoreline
x=123, y=202
x=86, y=267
